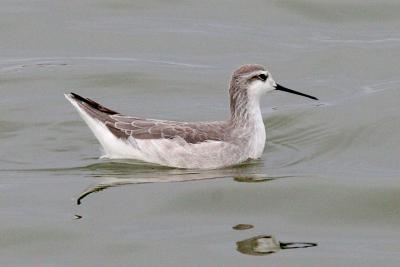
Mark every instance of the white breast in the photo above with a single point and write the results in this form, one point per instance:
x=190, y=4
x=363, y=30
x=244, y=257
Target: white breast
x=256, y=127
x=257, y=139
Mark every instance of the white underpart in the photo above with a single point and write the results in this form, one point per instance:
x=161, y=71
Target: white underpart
x=168, y=152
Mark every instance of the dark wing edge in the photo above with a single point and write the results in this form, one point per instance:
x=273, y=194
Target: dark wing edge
x=93, y=104
x=98, y=112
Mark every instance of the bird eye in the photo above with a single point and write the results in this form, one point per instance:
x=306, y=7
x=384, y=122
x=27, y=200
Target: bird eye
x=262, y=77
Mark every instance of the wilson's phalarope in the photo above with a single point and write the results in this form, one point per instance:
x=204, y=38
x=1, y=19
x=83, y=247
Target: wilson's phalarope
x=203, y=145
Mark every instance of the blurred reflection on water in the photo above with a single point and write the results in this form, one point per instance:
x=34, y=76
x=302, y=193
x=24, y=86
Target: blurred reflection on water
x=267, y=244
x=113, y=174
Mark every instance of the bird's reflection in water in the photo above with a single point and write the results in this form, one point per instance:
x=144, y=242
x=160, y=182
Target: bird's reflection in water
x=115, y=174
x=267, y=244
x=255, y=178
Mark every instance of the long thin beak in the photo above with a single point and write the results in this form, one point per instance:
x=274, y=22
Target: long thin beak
x=281, y=88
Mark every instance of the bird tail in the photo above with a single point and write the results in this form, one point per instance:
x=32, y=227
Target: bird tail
x=96, y=116
x=89, y=103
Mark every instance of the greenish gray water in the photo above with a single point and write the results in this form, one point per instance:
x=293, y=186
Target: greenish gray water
x=329, y=174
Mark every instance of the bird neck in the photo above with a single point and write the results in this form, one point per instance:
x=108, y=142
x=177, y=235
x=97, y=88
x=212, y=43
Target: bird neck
x=245, y=108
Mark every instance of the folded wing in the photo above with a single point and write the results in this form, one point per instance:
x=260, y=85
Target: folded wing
x=125, y=126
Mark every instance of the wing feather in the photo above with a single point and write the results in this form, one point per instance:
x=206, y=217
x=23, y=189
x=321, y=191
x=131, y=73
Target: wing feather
x=157, y=129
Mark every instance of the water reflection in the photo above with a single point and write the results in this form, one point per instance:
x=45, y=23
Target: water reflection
x=253, y=179
x=267, y=244
x=120, y=173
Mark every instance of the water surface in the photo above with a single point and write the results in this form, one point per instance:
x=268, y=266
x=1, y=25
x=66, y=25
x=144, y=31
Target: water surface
x=329, y=175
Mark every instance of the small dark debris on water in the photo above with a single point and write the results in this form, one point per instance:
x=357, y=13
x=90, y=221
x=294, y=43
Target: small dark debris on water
x=242, y=226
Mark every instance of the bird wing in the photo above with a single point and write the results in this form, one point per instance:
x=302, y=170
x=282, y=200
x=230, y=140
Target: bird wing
x=125, y=126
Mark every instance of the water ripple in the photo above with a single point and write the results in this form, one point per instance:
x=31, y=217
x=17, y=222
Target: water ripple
x=17, y=64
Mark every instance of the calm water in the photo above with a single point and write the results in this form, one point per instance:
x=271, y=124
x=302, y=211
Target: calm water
x=327, y=185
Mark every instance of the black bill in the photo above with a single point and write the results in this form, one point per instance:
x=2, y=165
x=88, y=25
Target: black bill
x=281, y=88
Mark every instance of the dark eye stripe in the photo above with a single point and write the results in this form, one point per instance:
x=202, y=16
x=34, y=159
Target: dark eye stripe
x=262, y=77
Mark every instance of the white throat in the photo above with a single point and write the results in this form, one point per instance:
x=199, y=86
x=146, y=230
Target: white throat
x=256, y=124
